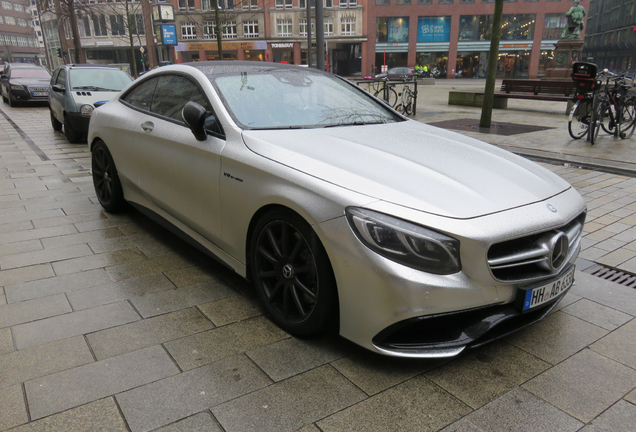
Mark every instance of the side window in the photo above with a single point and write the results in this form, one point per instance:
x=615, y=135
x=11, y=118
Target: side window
x=141, y=96
x=61, y=78
x=173, y=92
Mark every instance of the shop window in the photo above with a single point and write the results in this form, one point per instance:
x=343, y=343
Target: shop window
x=284, y=27
x=250, y=29
x=188, y=31
x=517, y=27
x=392, y=29
x=348, y=26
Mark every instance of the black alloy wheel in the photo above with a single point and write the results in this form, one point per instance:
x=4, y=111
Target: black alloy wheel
x=293, y=275
x=105, y=179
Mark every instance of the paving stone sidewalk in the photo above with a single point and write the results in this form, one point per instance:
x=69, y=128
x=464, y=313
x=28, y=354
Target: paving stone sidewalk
x=110, y=323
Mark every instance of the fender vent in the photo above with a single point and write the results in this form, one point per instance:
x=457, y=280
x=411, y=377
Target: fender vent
x=613, y=275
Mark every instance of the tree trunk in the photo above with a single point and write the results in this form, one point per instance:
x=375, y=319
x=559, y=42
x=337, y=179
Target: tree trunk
x=219, y=29
x=130, y=20
x=489, y=91
x=78, y=52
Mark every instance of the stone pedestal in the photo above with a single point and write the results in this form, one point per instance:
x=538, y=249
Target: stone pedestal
x=566, y=53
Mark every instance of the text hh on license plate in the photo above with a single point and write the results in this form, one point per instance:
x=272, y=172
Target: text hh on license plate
x=543, y=294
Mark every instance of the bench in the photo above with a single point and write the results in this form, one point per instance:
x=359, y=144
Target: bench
x=559, y=91
x=547, y=90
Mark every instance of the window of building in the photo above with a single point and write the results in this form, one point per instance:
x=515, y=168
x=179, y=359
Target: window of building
x=18, y=8
x=403, y=2
x=303, y=4
x=328, y=26
x=553, y=25
x=517, y=27
x=446, y=1
x=466, y=1
x=303, y=28
x=205, y=5
x=117, y=26
x=99, y=25
x=9, y=20
x=1, y=20
x=284, y=4
x=284, y=27
x=392, y=29
x=186, y=4
x=383, y=2
x=137, y=26
x=344, y=3
x=250, y=29
x=188, y=30
x=209, y=30
x=424, y=1
x=7, y=5
x=22, y=22
x=250, y=4
x=67, y=28
x=348, y=26
x=329, y=3
x=229, y=30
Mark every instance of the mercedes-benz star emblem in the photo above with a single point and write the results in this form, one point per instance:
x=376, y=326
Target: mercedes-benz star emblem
x=551, y=208
x=288, y=271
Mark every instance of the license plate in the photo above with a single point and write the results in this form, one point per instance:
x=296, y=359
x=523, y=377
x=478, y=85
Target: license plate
x=537, y=296
x=35, y=94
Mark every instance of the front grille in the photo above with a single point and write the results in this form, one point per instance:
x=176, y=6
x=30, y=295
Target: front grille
x=529, y=258
x=38, y=89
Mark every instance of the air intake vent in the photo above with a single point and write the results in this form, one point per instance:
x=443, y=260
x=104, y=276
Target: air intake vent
x=612, y=275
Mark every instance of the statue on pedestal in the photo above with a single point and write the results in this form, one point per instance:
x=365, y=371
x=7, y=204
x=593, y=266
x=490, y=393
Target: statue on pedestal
x=575, y=15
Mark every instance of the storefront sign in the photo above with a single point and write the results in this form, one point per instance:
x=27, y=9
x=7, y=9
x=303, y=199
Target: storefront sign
x=212, y=46
x=433, y=29
x=104, y=43
x=283, y=45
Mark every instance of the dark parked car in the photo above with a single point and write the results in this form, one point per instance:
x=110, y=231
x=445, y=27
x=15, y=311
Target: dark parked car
x=398, y=74
x=24, y=82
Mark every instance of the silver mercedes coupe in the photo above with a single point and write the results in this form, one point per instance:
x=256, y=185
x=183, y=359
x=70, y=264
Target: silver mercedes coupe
x=406, y=239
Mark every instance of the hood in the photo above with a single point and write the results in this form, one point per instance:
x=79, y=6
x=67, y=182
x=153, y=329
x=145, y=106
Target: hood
x=412, y=164
x=82, y=97
x=30, y=81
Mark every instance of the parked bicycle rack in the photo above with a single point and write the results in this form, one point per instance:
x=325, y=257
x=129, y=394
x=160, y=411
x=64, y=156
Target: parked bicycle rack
x=393, y=93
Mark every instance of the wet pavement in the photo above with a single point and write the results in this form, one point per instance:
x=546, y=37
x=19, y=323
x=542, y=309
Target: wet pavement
x=110, y=323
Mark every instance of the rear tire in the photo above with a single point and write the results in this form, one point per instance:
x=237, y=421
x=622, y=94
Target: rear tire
x=597, y=122
x=579, y=123
x=57, y=125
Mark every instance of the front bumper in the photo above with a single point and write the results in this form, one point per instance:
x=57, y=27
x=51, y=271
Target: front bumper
x=395, y=310
x=78, y=122
x=22, y=95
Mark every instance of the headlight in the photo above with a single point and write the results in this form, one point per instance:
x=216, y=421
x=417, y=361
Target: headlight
x=405, y=242
x=16, y=87
x=87, y=110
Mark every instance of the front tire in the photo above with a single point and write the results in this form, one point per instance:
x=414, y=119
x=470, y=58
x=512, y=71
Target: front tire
x=71, y=134
x=292, y=274
x=105, y=179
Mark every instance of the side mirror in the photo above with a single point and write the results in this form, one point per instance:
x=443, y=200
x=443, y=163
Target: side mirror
x=194, y=116
x=58, y=88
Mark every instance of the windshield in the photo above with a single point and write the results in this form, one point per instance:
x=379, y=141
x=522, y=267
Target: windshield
x=94, y=79
x=297, y=98
x=30, y=73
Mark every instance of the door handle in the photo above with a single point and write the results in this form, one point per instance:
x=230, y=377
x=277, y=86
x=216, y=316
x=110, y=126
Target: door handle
x=147, y=126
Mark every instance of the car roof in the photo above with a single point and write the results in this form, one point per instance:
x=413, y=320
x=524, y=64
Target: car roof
x=220, y=67
x=23, y=65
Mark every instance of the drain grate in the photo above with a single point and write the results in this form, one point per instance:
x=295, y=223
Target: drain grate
x=617, y=276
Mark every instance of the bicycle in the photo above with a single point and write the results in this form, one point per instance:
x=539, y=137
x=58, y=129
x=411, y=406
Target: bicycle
x=384, y=90
x=406, y=104
x=614, y=111
x=586, y=84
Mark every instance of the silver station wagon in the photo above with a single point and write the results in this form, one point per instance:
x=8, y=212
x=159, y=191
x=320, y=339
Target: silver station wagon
x=406, y=239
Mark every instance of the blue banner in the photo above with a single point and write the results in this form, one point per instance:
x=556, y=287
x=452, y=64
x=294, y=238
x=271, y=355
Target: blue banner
x=168, y=34
x=433, y=29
